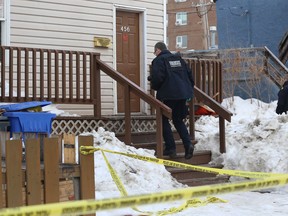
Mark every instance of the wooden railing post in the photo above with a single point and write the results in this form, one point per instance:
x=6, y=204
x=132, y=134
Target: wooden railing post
x=222, y=134
x=64, y=79
x=70, y=75
x=197, y=73
x=3, y=75
x=87, y=174
x=192, y=118
x=219, y=97
x=159, y=132
x=127, y=108
x=11, y=74
x=96, y=86
x=19, y=72
x=42, y=81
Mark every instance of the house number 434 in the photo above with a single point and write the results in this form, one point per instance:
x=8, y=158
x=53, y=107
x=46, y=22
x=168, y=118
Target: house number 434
x=125, y=28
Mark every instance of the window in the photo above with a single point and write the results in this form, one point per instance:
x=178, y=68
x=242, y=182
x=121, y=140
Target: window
x=181, y=41
x=181, y=18
x=180, y=0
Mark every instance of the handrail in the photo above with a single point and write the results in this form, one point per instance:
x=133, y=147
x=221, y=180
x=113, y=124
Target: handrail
x=135, y=88
x=213, y=104
x=275, y=59
x=132, y=87
x=281, y=75
x=221, y=111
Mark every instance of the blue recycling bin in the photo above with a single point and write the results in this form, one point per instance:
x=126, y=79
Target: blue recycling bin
x=30, y=122
x=22, y=121
x=30, y=125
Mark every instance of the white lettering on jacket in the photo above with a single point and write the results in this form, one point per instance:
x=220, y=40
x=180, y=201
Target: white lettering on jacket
x=175, y=63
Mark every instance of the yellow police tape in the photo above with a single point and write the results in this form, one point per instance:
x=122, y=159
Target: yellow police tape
x=189, y=203
x=246, y=174
x=91, y=206
x=268, y=180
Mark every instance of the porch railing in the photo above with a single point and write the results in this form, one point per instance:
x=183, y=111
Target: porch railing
x=68, y=77
x=208, y=90
x=60, y=76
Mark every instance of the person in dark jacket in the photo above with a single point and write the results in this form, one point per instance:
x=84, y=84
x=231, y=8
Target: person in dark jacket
x=282, y=104
x=173, y=81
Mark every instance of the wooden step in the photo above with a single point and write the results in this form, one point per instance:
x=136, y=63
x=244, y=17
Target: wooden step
x=199, y=157
x=189, y=174
x=147, y=138
x=141, y=137
x=205, y=181
x=153, y=145
x=188, y=177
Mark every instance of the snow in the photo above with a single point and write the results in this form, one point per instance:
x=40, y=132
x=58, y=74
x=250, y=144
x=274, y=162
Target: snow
x=256, y=140
x=53, y=108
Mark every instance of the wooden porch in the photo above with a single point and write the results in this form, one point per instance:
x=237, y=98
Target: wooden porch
x=73, y=77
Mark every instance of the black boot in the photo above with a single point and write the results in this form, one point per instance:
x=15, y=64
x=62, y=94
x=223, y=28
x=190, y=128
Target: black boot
x=171, y=153
x=189, y=151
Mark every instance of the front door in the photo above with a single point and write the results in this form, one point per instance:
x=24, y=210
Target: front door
x=128, y=62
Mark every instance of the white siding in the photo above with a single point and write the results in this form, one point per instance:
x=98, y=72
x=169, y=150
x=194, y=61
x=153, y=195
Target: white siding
x=73, y=24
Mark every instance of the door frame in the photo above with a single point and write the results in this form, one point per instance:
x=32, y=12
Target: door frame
x=142, y=49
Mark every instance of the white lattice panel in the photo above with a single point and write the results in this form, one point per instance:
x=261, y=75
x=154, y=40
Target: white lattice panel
x=78, y=126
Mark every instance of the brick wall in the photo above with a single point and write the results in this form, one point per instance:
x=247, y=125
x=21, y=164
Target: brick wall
x=195, y=28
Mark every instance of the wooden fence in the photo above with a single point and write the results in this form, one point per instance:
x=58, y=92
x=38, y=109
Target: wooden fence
x=32, y=181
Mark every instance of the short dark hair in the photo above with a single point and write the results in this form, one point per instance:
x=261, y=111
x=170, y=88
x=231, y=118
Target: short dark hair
x=285, y=83
x=160, y=45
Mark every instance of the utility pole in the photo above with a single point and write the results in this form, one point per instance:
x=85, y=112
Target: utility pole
x=205, y=23
x=203, y=8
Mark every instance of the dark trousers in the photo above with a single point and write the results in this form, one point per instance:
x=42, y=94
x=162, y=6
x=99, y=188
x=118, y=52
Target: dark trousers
x=179, y=112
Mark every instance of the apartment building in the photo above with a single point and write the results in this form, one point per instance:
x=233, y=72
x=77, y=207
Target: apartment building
x=191, y=25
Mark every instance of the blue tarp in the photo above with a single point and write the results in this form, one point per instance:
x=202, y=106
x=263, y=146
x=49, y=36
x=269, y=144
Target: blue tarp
x=24, y=105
